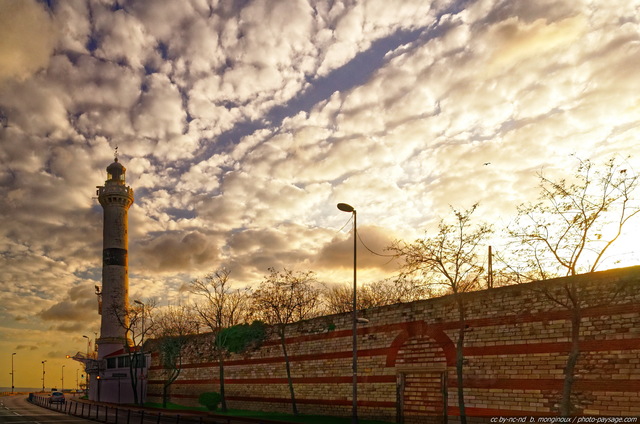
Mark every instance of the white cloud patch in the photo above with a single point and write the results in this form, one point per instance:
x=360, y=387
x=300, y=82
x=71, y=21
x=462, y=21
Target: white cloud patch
x=27, y=38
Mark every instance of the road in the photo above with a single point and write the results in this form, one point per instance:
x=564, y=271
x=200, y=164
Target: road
x=17, y=410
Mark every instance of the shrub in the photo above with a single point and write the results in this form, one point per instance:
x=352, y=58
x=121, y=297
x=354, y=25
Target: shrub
x=242, y=337
x=210, y=400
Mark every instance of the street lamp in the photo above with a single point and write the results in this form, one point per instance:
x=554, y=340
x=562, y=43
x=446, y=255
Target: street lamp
x=88, y=344
x=12, y=371
x=344, y=207
x=139, y=358
x=62, y=383
x=43, y=374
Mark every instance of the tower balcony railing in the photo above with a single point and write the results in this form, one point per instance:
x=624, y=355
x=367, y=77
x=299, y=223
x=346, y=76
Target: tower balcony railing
x=117, y=189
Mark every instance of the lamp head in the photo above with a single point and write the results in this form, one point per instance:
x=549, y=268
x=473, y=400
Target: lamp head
x=344, y=207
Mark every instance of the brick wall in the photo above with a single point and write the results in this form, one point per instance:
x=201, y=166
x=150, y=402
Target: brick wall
x=516, y=346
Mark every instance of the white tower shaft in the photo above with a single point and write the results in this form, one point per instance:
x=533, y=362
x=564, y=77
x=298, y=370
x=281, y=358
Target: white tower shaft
x=115, y=198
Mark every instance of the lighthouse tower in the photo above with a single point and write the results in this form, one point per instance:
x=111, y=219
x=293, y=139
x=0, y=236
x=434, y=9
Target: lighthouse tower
x=116, y=198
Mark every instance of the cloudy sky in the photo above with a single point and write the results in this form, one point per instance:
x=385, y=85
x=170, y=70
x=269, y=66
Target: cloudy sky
x=243, y=123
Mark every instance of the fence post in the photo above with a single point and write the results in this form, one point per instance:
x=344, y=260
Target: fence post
x=159, y=415
x=141, y=416
x=106, y=413
x=82, y=412
x=97, y=411
x=128, y=415
x=117, y=409
x=178, y=419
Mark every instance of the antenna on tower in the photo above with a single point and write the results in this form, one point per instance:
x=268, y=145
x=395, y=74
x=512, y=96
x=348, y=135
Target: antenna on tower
x=115, y=154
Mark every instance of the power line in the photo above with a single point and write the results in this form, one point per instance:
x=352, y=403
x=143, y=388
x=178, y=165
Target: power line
x=371, y=251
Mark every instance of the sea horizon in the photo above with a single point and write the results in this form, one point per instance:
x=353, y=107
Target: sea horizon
x=26, y=389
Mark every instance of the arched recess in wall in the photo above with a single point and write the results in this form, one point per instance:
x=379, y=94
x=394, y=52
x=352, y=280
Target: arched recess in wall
x=422, y=356
x=430, y=337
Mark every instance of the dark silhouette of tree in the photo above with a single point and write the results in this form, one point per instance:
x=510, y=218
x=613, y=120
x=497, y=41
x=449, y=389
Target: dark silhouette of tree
x=282, y=299
x=568, y=231
x=222, y=307
x=339, y=298
x=451, y=262
x=173, y=326
x=138, y=325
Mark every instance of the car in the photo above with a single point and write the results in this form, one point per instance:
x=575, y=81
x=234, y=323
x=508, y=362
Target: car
x=56, y=397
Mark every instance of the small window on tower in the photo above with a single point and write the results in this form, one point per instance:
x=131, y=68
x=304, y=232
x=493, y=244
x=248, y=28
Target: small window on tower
x=109, y=176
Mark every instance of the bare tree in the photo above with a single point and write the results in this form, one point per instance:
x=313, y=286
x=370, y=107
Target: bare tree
x=450, y=261
x=339, y=299
x=222, y=307
x=173, y=326
x=284, y=298
x=568, y=231
x=137, y=330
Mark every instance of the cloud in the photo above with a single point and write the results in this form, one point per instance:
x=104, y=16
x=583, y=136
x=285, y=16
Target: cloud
x=28, y=38
x=371, y=251
x=26, y=347
x=159, y=113
x=191, y=252
x=80, y=303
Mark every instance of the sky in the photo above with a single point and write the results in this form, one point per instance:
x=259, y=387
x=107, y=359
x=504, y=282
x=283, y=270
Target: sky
x=243, y=123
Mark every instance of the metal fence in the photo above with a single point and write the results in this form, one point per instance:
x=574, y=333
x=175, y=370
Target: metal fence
x=118, y=415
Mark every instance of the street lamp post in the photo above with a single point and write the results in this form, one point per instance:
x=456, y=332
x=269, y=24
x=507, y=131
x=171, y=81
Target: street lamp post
x=12, y=372
x=88, y=344
x=354, y=406
x=86, y=364
x=139, y=361
x=62, y=379
x=43, y=374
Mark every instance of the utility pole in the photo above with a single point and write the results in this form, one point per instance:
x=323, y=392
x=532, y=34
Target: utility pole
x=490, y=270
x=12, y=372
x=43, y=374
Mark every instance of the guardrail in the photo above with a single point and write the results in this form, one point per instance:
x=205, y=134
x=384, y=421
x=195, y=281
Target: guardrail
x=117, y=415
x=121, y=415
